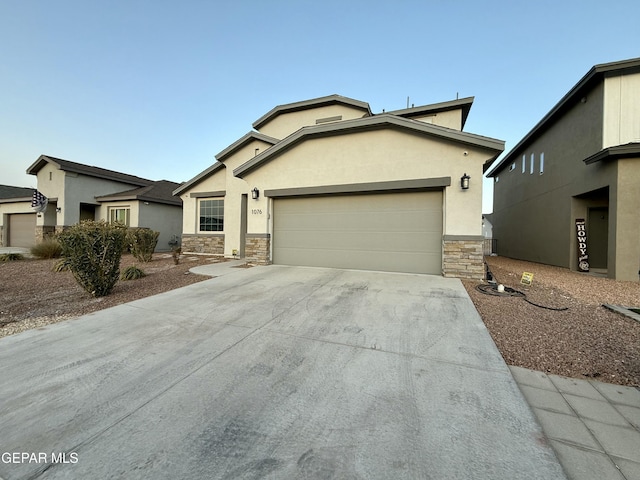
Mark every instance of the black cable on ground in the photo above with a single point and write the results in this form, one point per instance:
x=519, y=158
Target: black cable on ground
x=492, y=289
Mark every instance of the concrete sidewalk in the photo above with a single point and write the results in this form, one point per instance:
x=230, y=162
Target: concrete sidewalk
x=594, y=427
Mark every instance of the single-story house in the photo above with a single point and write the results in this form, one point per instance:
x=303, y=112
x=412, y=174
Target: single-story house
x=568, y=194
x=325, y=182
x=78, y=192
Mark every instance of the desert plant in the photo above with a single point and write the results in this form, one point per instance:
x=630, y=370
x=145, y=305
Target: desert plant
x=93, y=251
x=61, y=265
x=11, y=257
x=49, y=248
x=132, y=273
x=142, y=242
x=175, y=253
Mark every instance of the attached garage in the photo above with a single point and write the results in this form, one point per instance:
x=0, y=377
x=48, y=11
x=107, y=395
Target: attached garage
x=393, y=232
x=22, y=229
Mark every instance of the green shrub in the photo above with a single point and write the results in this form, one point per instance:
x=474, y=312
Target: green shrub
x=11, y=257
x=61, y=265
x=49, y=248
x=132, y=273
x=142, y=242
x=93, y=251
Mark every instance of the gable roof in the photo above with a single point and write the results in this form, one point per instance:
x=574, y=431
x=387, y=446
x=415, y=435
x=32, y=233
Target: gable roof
x=198, y=178
x=463, y=103
x=9, y=194
x=384, y=120
x=87, y=170
x=157, y=192
x=243, y=141
x=308, y=104
x=594, y=76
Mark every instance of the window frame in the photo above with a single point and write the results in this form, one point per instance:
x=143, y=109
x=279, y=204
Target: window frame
x=216, y=212
x=113, y=214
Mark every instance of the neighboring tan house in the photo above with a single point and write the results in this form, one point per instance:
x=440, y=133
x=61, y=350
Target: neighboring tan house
x=580, y=162
x=324, y=182
x=78, y=192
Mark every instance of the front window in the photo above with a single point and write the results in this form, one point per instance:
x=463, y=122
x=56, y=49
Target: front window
x=211, y=215
x=119, y=215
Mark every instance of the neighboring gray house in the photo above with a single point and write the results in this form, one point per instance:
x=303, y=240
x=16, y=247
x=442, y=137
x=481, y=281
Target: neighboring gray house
x=78, y=192
x=580, y=162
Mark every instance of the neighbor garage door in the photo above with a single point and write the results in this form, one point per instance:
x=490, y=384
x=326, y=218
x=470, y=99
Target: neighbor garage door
x=22, y=229
x=393, y=232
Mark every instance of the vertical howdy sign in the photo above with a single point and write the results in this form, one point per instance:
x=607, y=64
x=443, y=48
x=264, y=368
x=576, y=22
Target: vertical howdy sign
x=583, y=257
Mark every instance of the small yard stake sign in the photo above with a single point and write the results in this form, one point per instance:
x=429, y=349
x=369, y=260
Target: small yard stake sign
x=527, y=278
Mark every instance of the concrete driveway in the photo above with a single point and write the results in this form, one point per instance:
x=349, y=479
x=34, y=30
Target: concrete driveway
x=271, y=372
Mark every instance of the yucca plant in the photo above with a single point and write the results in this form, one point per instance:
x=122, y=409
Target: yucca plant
x=61, y=265
x=132, y=273
x=11, y=257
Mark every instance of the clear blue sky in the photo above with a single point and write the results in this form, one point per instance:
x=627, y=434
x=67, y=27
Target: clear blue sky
x=157, y=88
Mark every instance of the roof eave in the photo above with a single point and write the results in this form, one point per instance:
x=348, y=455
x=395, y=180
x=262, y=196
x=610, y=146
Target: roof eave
x=308, y=104
x=595, y=74
x=369, y=123
x=242, y=141
x=198, y=178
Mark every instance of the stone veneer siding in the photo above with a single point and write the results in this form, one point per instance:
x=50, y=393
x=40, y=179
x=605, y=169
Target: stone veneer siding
x=44, y=231
x=201, y=243
x=257, y=248
x=463, y=257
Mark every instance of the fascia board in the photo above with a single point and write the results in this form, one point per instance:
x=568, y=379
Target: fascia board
x=198, y=178
x=244, y=140
x=370, y=123
x=593, y=76
x=308, y=104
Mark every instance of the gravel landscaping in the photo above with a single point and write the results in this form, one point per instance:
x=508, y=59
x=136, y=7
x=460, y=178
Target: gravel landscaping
x=584, y=341
x=32, y=295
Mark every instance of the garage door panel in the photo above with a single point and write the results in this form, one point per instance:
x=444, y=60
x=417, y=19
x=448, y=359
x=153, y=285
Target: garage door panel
x=389, y=232
x=355, y=241
x=356, y=259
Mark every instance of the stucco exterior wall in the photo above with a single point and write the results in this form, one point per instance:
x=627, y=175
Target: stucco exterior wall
x=625, y=230
x=522, y=224
x=286, y=123
x=375, y=156
x=621, y=110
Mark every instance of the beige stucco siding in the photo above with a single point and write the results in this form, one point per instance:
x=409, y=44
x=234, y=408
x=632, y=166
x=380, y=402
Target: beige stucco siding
x=378, y=156
x=285, y=124
x=626, y=224
x=214, y=183
x=450, y=119
x=621, y=110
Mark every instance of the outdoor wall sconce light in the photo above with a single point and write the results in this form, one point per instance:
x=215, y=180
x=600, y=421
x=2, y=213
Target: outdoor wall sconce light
x=58, y=209
x=464, y=182
x=255, y=193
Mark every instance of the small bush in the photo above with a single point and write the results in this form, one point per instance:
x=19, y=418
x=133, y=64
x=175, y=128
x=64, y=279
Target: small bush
x=132, y=273
x=61, y=265
x=142, y=242
x=49, y=248
x=93, y=250
x=11, y=257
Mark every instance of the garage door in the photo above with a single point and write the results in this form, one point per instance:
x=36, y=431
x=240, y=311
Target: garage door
x=22, y=229
x=393, y=232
